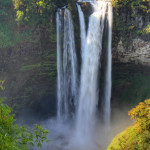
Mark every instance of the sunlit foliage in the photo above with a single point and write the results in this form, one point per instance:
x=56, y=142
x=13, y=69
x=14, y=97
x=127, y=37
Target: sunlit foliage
x=136, y=137
x=145, y=30
x=14, y=137
x=4, y=6
x=37, y=11
x=138, y=4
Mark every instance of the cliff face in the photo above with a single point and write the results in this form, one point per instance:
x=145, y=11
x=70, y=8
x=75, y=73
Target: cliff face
x=131, y=35
x=137, y=51
x=28, y=67
x=131, y=57
x=29, y=71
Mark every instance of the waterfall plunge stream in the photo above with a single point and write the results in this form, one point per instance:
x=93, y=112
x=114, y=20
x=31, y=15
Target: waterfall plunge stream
x=66, y=66
x=88, y=99
x=107, y=94
x=83, y=103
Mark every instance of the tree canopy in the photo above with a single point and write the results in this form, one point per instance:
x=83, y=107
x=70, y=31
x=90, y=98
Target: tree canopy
x=37, y=11
x=143, y=5
x=14, y=137
x=136, y=137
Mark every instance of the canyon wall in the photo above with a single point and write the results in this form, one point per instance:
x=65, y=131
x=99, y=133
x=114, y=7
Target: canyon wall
x=28, y=67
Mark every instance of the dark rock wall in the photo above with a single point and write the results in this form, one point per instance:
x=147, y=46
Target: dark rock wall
x=131, y=57
x=29, y=72
x=29, y=68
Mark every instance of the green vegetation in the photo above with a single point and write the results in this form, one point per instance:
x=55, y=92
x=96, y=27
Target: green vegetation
x=136, y=137
x=6, y=39
x=143, y=5
x=138, y=88
x=37, y=11
x=14, y=137
x=33, y=11
x=4, y=7
x=1, y=85
x=125, y=16
x=145, y=30
x=30, y=67
x=8, y=33
x=43, y=67
x=24, y=36
x=132, y=86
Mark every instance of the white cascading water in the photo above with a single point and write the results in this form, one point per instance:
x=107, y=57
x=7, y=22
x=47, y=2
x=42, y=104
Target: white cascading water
x=88, y=95
x=82, y=30
x=59, y=63
x=108, y=80
x=84, y=105
x=67, y=68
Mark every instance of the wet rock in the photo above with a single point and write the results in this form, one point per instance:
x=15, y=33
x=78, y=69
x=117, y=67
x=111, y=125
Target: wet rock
x=138, y=51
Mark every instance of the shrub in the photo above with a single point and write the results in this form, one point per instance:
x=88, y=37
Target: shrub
x=136, y=137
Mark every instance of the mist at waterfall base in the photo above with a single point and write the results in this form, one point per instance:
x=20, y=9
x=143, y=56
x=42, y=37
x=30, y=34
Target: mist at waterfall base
x=83, y=116
x=61, y=134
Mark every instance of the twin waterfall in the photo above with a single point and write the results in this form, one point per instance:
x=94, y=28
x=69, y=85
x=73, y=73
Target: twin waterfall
x=66, y=66
x=79, y=93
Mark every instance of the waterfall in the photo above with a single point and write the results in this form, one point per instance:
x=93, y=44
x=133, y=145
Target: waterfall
x=59, y=63
x=107, y=92
x=88, y=96
x=69, y=63
x=82, y=30
x=82, y=101
x=67, y=68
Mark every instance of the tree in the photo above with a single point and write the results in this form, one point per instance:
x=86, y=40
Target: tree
x=143, y=5
x=136, y=137
x=37, y=11
x=14, y=137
